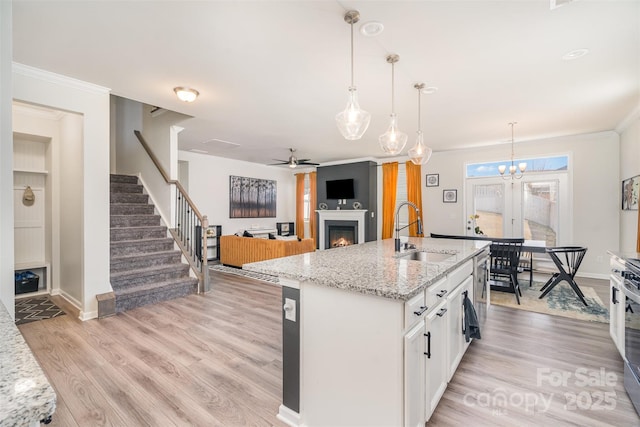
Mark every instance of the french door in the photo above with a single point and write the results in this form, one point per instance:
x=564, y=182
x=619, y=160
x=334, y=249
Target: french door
x=536, y=207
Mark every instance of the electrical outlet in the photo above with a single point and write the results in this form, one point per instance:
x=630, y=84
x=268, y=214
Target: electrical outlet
x=289, y=309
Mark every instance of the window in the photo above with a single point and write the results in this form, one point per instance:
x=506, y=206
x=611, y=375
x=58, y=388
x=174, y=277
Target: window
x=307, y=198
x=540, y=164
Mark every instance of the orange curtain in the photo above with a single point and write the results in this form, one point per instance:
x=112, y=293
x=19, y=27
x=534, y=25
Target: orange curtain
x=312, y=204
x=389, y=186
x=414, y=194
x=300, y=205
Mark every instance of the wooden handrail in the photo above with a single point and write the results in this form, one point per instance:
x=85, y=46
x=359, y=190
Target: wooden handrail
x=165, y=175
x=187, y=250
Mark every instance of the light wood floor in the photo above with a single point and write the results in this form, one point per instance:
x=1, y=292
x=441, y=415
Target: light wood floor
x=216, y=360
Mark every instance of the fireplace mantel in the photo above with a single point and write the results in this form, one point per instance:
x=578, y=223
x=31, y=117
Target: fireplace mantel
x=340, y=215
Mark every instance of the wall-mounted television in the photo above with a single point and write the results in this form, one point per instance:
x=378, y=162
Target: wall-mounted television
x=340, y=189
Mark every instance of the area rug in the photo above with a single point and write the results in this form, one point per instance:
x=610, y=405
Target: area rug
x=240, y=272
x=561, y=301
x=36, y=308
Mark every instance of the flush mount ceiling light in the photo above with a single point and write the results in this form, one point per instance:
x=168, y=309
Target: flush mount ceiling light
x=513, y=171
x=371, y=28
x=186, y=94
x=353, y=121
x=575, y=54
x=420, y=153
x=393, y=140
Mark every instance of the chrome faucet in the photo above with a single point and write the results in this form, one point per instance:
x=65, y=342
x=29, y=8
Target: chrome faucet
x=397, y=240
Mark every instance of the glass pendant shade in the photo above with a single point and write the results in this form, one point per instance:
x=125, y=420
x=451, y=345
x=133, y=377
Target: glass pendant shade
x=420, y=153
x=353, y=121
x=393, y=140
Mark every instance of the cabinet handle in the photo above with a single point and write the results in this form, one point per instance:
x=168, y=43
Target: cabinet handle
x=614, y=292
x=428, y=353
x=441, y=312
x=442, y=293
x=420, y=312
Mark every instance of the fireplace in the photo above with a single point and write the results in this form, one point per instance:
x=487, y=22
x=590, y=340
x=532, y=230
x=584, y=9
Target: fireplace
x=351, y=219
x=341, y=234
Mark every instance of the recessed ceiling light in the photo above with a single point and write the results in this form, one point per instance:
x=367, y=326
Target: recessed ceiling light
x=575, y=54
x=371, y=28
x=186, y=94
x=429, y=90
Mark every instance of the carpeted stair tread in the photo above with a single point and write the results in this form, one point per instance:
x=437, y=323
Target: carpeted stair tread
x=134, y=220
x=128, y=247
x=179, y=268
x=131, y=209
x=118, y=187
x=145, y=255
x=151, y=293
x=141, y=232
x=116, y=198
x=125, y=179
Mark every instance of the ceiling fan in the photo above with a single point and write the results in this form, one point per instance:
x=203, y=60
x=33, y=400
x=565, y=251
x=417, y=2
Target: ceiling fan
x=294, y=161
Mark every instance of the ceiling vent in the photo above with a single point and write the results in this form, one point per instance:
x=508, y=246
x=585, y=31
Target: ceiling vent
x=554, y=4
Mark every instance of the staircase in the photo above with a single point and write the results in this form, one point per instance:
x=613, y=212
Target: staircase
x=145, y=268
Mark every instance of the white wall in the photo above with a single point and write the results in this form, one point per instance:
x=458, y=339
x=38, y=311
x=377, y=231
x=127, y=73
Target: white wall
x=92, y=102
x=594, y=172
x=6, y=162
x=629, y=167
x=132, y=159
x=209, y=189
x=72, y=250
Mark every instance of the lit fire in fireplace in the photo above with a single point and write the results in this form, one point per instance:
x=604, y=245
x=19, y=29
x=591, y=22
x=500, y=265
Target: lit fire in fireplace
x=341, y=242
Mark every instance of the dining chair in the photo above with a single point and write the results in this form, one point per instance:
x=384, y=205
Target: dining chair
x=526, y=265
x=567, y=260
x=505, y=257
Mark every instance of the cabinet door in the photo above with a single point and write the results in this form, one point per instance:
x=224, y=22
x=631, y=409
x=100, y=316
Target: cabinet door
x=414, y=384
x=436, y=353
x=457, y=344
x=617, y=308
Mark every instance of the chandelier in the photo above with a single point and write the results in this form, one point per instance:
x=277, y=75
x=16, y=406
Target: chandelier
x=513, y=170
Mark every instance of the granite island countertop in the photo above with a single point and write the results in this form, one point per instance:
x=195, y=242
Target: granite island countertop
x=373, y=267
x=26, y=396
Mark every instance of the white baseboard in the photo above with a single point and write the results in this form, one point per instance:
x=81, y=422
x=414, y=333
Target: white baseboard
x=88, y=315
x=288, y=416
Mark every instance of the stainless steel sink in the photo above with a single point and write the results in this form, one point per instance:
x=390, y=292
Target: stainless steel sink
x=426, y=256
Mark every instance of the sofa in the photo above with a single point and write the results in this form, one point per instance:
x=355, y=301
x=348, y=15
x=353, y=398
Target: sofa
x=237, y=250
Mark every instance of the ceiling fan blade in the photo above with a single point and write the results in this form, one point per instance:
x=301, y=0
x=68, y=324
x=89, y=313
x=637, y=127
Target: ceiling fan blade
x=309, y=163
x=280, y=160
x=278, y=164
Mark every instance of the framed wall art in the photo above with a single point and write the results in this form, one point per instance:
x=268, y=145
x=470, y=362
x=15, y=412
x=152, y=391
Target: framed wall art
x=630, y=189
x=252, y=197
x=450, y=196
x=433, y=180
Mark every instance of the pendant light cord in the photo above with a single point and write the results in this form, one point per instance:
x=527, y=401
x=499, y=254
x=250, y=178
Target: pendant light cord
x=351, y=54
x=419, y=126
x=393, y=94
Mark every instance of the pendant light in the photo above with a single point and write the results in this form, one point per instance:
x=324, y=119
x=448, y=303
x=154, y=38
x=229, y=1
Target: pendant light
x=393, y=140
x=419, y=153
x=513, y=172
x=353, y=121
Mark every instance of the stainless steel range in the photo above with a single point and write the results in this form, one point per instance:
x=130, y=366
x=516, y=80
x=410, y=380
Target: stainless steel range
x=631, y=290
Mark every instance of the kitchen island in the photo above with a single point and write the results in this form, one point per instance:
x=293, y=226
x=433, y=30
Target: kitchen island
x=26, y=397
x=371, y=336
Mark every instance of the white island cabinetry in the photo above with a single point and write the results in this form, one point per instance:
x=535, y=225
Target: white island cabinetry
x=379, y=332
